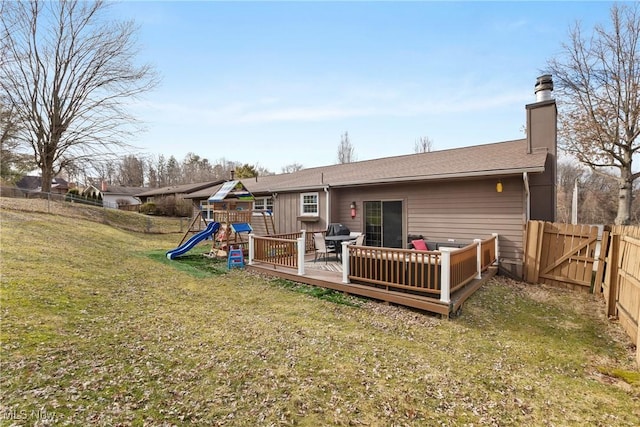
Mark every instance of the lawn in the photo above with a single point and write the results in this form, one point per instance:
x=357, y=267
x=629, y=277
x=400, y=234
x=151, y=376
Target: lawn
x=98, y=328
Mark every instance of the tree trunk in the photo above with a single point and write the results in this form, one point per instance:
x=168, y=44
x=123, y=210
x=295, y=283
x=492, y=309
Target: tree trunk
x=47, y=177
x=624, y=201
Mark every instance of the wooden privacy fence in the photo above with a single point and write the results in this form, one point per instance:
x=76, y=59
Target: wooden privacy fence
x=621, y=287
x=603, y=260
x=561, y=254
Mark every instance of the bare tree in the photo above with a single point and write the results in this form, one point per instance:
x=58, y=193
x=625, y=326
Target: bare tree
x=568, y=174
x=345, y=150
x=423, y=145
x=223, y=167
x=293, y=167
x=68, y=73
x=131, y=171
x=174, y=172
x=157, y=171
x=13, y=162
x=598, y=81
x=196, y=169
x=263, y=171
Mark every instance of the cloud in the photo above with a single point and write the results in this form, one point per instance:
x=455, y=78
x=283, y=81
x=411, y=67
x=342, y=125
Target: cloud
x=408, y=101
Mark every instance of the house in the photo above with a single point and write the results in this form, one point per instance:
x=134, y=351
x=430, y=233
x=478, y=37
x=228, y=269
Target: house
x=113, y=196
x=34, y=183
x=452, y=196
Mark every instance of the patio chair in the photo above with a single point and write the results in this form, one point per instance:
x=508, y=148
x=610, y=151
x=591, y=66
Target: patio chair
x=321, y=247
x=359, y=240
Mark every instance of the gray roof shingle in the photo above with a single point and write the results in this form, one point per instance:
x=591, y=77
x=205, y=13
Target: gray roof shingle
x=503, y=158
x=497, y=159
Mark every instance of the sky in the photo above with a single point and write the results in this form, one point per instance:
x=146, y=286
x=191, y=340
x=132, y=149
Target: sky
x=276, y=83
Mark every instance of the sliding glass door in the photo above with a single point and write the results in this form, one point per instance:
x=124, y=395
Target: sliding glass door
x=383, y=223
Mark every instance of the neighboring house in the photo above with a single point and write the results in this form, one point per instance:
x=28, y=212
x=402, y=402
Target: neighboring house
x=34, y=183
x=460, y=194
x=178, y=191
x=114, y=196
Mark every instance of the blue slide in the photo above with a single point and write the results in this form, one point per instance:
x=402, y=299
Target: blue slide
x=212, y=227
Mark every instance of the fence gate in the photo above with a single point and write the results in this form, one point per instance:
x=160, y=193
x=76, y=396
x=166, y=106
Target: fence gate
x=561, y=254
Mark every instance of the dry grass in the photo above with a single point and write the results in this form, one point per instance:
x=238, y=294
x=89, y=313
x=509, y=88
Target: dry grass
x=131, y=221
x=96, y=329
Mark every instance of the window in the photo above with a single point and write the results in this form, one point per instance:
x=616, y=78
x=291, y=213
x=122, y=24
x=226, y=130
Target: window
x=263, y=203
x=309, y=204
x=207, y=209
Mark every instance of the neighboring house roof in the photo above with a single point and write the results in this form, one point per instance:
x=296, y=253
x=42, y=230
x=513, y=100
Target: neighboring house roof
x=35, y=182
x=179, y=189
x=29, y=182
x=124, y=191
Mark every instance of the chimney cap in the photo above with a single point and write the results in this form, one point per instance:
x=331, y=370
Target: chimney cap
x=543, y=88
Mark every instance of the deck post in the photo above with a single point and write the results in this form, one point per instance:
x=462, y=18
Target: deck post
x=445, y=275
x=497, y=261
x=478, y=243
x=302, y=243
x=251, y=249
x=345, y=262
x=304, y=236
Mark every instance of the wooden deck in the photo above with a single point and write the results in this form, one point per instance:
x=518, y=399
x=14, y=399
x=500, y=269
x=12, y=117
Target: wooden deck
x=329, y=276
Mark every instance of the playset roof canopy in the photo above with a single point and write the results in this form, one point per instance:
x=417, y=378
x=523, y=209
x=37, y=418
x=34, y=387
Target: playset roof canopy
x=232, y=190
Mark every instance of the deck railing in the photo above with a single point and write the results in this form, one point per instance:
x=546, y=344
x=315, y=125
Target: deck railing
x=428, y=273
x=286, y=251
x=309, y=246
x=397, y=268
x=435, y=273
x=463, y=265
x=488, y=252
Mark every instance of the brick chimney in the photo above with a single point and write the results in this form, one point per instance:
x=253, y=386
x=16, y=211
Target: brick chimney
x=542, y=132
x=103, y=186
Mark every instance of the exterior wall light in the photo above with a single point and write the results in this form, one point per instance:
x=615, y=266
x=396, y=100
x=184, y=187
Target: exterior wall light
x=353, y=210
x=499, y=187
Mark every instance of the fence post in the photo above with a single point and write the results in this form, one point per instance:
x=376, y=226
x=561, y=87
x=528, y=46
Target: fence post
x=304, y=236
x=48, y=202
x=602, y=257
x=445, y=275
x=345, y=262
x=497, y=261
x=614, y=255
x=301, y=250
x=478, y=243
x=251, y=249
x=638, y=340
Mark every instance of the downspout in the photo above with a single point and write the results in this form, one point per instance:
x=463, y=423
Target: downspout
x=328, y=210
x=527, y=213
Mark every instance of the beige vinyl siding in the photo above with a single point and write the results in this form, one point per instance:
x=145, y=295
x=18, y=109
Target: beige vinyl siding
x=286, y=207
x=341, y=200
x=461, y=210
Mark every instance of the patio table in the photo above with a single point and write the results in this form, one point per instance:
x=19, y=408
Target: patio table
x=337, y=240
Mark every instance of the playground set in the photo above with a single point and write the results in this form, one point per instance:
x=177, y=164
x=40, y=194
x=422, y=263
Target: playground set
x=228, y=225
